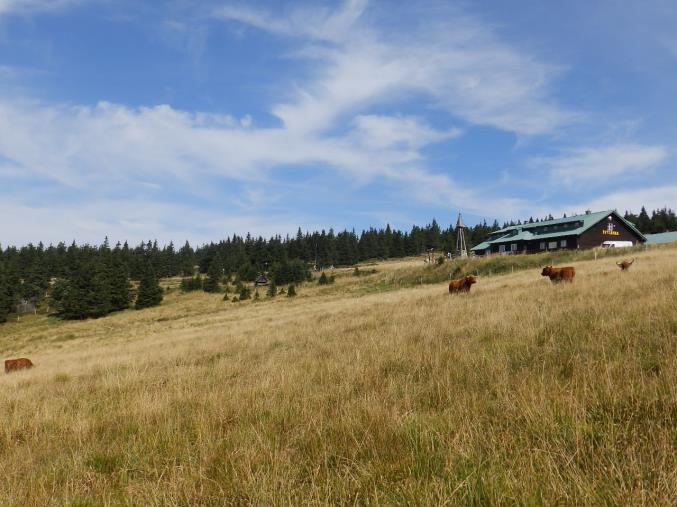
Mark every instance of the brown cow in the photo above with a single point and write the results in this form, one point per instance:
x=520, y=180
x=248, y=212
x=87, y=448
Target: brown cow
x=565, y=274
x=625, y=265
x=462, y=284
x=17, y=364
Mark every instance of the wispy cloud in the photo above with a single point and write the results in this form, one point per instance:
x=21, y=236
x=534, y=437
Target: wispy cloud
x=629, y=200
x=605, y=164
x=34, y=6
x=459, y=64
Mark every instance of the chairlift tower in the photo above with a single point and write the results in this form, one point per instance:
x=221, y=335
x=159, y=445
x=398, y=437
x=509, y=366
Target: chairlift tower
x=461, y=247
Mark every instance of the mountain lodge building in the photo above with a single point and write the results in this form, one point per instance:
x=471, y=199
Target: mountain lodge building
x=575, y=232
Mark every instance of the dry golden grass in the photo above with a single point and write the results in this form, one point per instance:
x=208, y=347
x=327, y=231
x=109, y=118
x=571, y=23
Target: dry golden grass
x=519, y=392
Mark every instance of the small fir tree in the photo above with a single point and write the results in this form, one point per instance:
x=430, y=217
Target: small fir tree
x=272, y=289
x=291, y=291
x=323, y=280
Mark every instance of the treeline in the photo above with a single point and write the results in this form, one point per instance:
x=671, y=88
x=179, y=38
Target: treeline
x=661, y=220
x=81, y=281
x=77, y=282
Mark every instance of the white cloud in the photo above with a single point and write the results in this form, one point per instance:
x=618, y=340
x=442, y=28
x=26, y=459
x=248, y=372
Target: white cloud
x=132, y=220
x=378, y=132
x=631, y=200
x=455, y=61
x=81, y=146
x=586, y=166
x=313, y=22
x=34, y=6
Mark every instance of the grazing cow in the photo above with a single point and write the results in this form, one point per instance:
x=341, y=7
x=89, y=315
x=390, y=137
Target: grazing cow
x=625, y=265
x=17, y=364
x=565, y=274
x=462, y=284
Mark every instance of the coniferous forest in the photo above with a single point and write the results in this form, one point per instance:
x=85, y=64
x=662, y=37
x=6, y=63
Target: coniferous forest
x=84, y=281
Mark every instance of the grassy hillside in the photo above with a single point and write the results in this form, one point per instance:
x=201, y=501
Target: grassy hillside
x=376, y=389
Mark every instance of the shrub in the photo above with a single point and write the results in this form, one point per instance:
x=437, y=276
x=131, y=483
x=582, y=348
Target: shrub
x=245, y=293
x=326, y=280
x=191, y=283
x=293, y=271
x=440, y=260
x=291, y=291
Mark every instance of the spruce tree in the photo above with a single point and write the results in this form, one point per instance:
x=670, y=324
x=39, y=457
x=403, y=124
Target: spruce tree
x=5, y=297
x=272, y=289
x=120, y=295
x=150, y=292
x=214, y=275
x=291, y=291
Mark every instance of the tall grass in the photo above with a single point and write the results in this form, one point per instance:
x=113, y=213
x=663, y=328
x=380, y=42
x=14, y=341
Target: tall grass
x=519, y=392
x=416, y=273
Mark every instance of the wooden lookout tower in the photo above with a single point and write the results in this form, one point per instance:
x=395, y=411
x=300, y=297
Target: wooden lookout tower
x=461, y=247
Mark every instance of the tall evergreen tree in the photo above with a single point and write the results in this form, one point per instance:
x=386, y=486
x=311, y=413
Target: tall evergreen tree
x=214, y=275
x=150, y=292
x=5, y=296
x=120, y=290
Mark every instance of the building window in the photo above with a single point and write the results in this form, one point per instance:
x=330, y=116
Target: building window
x=513, y=247
x=542, y=245
x=552, y=245
x=501, y=248
x=563, y=243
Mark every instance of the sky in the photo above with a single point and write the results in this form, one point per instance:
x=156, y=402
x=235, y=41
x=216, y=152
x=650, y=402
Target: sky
x=181, y=120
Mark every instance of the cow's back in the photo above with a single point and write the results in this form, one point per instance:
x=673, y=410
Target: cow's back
x=17, y=364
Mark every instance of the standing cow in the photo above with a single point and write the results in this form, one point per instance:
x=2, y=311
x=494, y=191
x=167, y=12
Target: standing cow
x=462, y=284
x=625, y=265
x=17, y=364
x=557, y=275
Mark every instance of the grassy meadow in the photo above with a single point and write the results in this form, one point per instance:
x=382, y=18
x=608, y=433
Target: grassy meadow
x=377, y=389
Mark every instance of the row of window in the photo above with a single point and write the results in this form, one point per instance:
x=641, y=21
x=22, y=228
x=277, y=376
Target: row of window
x=552, y=245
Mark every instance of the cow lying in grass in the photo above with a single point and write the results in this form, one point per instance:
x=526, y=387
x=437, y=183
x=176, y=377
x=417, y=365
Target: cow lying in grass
x=556, y=275
x=17, y=364
x=625, y=265
x=462, y=284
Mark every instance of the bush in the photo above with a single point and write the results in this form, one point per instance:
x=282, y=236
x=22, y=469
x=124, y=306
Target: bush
x=245, y=293
x=190, y=284
x=326, y=280
x=272, y=289
x=291, y=291
x=294, y=271
x=363, y=272
x=440, y=260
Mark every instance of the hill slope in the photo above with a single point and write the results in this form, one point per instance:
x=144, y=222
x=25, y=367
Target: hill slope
x=518, y=391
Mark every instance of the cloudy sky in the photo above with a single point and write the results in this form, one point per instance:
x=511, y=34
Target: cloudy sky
x=195, y=120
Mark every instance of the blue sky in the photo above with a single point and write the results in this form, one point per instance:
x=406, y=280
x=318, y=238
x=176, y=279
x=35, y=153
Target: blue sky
x=195, y=120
